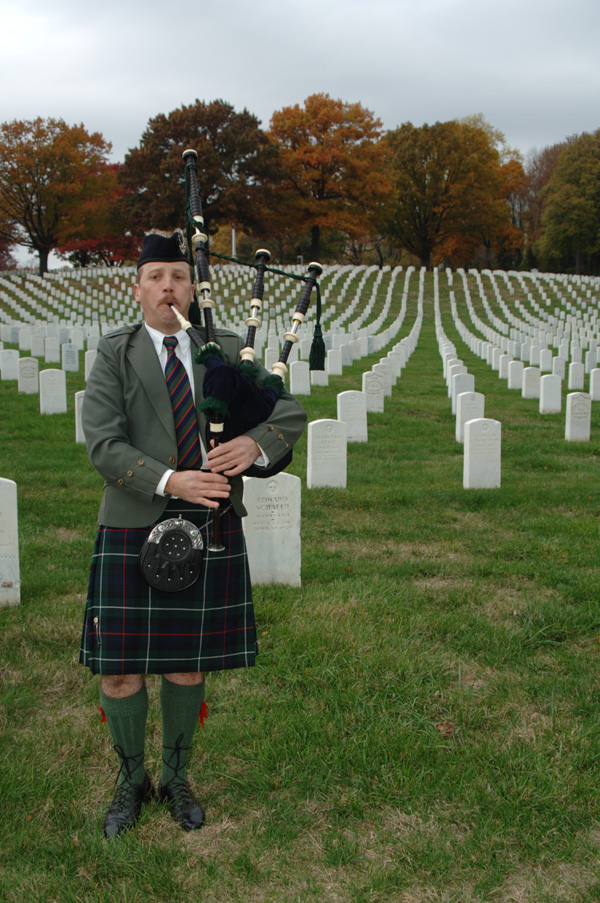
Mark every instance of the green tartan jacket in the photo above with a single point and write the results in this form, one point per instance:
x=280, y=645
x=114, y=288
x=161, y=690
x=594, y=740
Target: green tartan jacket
x=128, y=424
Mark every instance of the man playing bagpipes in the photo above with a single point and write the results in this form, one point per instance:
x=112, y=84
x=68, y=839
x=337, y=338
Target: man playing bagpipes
x=159, y=601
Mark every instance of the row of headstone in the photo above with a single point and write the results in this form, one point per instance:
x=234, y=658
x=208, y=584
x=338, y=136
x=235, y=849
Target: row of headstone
x=481, y=436
x=68, y=359
x=532, y=383
x=528, y=341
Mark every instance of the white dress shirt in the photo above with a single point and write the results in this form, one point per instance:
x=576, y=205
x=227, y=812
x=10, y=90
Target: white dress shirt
x=184, y=352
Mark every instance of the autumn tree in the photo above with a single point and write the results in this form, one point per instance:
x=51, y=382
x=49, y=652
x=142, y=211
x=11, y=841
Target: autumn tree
x=332, y=168
x=451, y=188
x=45, y=170
x=96, y=230
x=7, y=261
x=234, y=162
x=571, y=206
x=7, y=242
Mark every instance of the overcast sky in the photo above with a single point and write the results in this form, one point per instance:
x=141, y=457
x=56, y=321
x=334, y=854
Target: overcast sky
x=531, y=67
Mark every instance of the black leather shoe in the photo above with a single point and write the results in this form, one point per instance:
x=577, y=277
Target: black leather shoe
x=126, y=806
x=182, y=804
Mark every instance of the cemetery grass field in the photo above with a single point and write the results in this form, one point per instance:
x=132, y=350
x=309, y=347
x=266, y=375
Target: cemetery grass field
x=423, y=724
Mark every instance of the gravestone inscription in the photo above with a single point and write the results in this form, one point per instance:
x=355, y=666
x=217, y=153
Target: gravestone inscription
x=272, y=529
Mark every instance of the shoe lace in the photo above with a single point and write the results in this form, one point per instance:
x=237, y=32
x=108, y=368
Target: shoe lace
x=174, y=763
x=124, y=797
x=128, y=764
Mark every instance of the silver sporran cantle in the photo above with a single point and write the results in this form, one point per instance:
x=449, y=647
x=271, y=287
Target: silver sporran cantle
x=171, y=557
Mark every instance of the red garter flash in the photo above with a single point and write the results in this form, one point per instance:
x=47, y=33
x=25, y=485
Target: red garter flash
x=103, y=719
x=203, y=713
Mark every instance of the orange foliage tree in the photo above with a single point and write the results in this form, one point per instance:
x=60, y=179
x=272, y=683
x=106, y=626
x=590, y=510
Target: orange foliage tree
x=46, y=167
x=96, y=230
x=332, y=168
x=453, y=190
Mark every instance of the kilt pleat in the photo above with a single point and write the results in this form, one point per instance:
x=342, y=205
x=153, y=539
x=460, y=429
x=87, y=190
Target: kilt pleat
x=132, y=628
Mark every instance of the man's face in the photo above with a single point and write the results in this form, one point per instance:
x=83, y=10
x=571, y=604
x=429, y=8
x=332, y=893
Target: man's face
x=159, y=285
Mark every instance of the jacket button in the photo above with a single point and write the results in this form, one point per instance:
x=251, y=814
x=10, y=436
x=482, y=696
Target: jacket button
x=120, y=482
x=141, y=462
x=171, y=460
x=280, y=436
x=130, y=473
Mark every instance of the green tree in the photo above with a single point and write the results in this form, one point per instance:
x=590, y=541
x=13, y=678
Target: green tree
x=46, y=168
x=539, y=167
x=235, y=159
x=571, y=212
x=333, y=169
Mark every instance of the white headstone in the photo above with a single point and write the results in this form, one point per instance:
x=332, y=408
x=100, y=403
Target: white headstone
x=271, y=355
x=334, y=362
x=452, y=371
x=482, y=454
x=300, y=378
x=383, y=370
x=576, y=376
x=37, y=346
x=9, y=363
x=79, y=434
x=51, y=350
x=469, y=406
x=327, y=454
x=550, y=394
x=515, y=375
x=10, y=580
x=531, y=382
x=373, y=388
x=70, y=357
x=319, y=378
x=595, y=384
x=546, y=360
x=352, y=410
x=461, y=382
x=25, y=338
x=272, y=528
x=347, y=356
x=29, y=369
x=78, y=338
x=53, y=392
x=88, y=362
x=579, y=417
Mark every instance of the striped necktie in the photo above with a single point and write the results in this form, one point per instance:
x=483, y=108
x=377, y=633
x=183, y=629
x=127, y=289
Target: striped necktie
x=184, y=412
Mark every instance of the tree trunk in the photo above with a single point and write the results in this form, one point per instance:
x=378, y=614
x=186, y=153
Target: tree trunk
x=315, y=242
x=44, y=253
x=425, y=258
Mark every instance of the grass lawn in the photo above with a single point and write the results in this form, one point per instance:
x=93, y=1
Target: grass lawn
x=422, y=724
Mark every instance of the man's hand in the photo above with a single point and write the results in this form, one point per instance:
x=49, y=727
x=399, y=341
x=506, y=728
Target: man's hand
x=199, y=487
x=233, y=457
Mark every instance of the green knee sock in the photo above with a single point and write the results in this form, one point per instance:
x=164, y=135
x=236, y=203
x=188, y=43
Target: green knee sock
x=180, y=708
x=126, y=720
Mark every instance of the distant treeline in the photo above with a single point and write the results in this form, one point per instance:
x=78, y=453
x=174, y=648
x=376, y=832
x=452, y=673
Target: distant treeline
x=325, y=181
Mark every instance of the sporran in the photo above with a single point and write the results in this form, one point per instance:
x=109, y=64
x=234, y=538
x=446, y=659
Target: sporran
x=171, y=557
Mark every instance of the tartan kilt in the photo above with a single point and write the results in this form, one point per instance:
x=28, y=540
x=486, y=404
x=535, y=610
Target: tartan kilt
x=131, y=628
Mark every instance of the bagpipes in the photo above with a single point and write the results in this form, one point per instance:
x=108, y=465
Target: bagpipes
x=236, y=399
